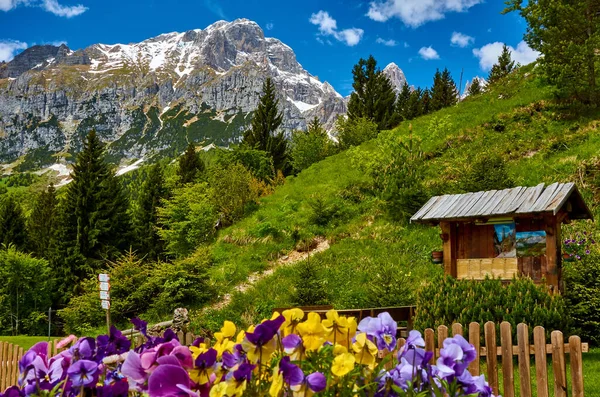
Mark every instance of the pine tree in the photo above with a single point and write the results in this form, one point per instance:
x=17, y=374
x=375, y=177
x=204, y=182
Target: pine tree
x=414, y=107
x=12, y=224
x=443, y=92
x=190, y=165
x=373, y=97
x=145, y=215
x=42, y=222
x=566, y=33
x=93, y=223
x=402, y=101
x=503, y=67
x=263, y=134
x=475, y=88
x=426, y=101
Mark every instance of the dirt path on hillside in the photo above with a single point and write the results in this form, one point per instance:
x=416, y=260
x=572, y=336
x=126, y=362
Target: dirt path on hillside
x=253, y=278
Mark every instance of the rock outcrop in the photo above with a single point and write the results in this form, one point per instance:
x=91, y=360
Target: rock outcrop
x=149, y=99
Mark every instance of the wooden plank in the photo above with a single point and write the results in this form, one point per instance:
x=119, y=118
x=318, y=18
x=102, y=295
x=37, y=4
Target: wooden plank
x=456, y=198
x=507, y=203
x=430, y=343
x=9, y=358
x=520, y=199
x=560, y=198
x=14, y=373
x=544, y=198
x=442, y=335
x=473, y=202
x=524, y=365
x=3, y=350
x=508, y=375
x=17, y=365
x=457, y=329
x=435, y=209
x=492, y=197
x=541, y=366
x=584, y=349
x=495, y=201
x=425, y=208
x=482, y=202
x=189, y=339
x=576, y=366
x=558, y=364
x=531, y=199
x=490, y=344
x=449, y=247
x=456, y=209
x=552, y=252
x=474, y=339
x=180, y=336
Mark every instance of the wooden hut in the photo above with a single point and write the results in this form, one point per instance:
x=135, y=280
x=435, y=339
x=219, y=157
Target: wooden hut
x=503, y=233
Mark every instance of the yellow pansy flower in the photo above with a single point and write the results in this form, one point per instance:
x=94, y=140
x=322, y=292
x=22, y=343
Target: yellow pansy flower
x=276, y=383
x=365, y=351
x=339, y=329
x=196, y=351
x=293, y=317
x=235, y=388
x=339, y=349
x=312, y=332
x=343, y=364
x=219, y=390
x=227, y=331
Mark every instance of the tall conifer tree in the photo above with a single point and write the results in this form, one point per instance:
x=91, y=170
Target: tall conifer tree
x=373, y=97
x=145, y=214
x=42, y=222
x=503, y=67
x=443, y=92
x=475, y=87
x=12, y=223
x=190, y=165
x=93, y=224
x=263, y=133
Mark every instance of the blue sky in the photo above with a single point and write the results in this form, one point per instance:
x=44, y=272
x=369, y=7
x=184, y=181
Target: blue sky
x=328, y=37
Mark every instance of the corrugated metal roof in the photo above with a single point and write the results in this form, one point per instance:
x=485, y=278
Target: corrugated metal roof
x=498, y=203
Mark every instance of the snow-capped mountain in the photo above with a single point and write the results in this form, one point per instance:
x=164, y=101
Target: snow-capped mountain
x=151, y=98
x=396, y=76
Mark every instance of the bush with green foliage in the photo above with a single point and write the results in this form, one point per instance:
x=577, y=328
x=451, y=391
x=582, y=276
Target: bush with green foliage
x=187, y=219
x=353, y=132
x=310, y=146
x=141, y=288
x=258, y=162
x=486, y=173
x=309, y=287
x=231, y=192
x=25, y=293
x=582, y=294
x=446, y=300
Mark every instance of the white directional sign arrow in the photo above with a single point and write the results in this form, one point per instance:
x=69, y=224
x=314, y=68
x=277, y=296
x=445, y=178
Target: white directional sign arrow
x=104, y=286
x=105, y=305
x=104, y=295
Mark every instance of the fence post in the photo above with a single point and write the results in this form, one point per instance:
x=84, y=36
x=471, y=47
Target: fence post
x=430, y=344
x=457, y=329
x=576, y=366
x=491, y=358
x=524, y=365
x=558, y=364
x=441, y=336
x=3, y=356
x=541, y=365
x=508, y=375
x=474, y=339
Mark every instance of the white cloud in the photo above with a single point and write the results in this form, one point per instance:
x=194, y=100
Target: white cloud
x=270, y=26
x=488, y=54
x=63, y=11
x=417, y=12
x=461, y=40
x=9, y=48
x=49, y=5
x=406, y=45
x=57, y=43
x=328, y=27
x=389, y=43
x=428, y=53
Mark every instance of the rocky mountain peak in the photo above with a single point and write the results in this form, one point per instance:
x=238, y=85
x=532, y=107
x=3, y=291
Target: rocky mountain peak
x=396, y=76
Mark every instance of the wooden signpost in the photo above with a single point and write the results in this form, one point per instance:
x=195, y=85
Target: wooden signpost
x=104, y=281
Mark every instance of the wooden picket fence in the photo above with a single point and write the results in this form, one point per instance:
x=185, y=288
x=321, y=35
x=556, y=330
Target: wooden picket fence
x=523, y=350
x=10, y=355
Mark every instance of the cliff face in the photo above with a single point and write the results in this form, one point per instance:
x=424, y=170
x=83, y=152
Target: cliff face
x=151, y=98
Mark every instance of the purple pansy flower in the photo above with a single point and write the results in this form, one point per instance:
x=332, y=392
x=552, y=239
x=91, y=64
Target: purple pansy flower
x=265, y=331
x=383, y=329
x=316, y=382
x=292, y=374
x=171, y=381
x=83, y=372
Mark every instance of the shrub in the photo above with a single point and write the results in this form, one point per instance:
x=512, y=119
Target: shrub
x=354, y=132
x=310, y=289
x=446, y=300
x=322, y=212
x=231, y=192
x=582, y=294
x=487, y=173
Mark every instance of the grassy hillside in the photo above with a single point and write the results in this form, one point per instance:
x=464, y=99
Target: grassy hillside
x=541, y=140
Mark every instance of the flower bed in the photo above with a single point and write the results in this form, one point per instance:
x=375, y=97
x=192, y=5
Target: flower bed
x=283, y=356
